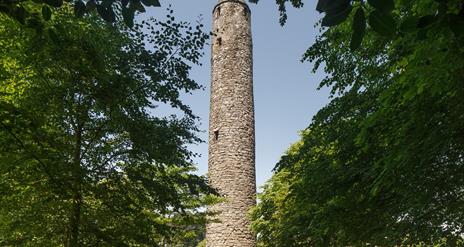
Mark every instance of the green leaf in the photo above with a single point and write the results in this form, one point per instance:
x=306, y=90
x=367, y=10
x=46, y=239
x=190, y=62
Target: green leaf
x=137, y=5
x=422, y=34
x=36, y=23
x=359, y=27
x=334, y=6
x=106, y=13
x=456, y=24
x=382, y=5
x=53, y=36
x=409, y=24
x=426, y=21
x=128, y=16
x=79, y=8
x=337, y=6
x=20, y=14
x=333, y=19
x=106, y=3
x=54, y=3
x=154, y=3
x=382, y=23
x=46, y=12
x=322, y=5
x=91, y=5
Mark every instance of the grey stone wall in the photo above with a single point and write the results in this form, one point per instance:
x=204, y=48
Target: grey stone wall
x=231, y=167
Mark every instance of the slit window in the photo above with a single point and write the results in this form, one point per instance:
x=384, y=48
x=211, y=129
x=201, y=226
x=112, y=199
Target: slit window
x=216, y=135
x=219, y=41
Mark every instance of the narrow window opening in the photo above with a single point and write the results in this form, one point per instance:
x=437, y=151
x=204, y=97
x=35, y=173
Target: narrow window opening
x=218, y=12
x=216, y=135
x=219, y=41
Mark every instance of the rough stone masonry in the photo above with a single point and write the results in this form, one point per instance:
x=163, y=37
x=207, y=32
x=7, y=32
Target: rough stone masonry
x=231, y=161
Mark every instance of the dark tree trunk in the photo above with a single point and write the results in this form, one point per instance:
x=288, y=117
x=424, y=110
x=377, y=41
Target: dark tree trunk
x=75, y=216
x=75, y=220
x=326, y=241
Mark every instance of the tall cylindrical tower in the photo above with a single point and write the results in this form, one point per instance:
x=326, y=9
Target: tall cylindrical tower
x=231, y=168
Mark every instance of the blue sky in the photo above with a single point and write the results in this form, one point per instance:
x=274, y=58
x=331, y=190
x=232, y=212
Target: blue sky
x=284, y=88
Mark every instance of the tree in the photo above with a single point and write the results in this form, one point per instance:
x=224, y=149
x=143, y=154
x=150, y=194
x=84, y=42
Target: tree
x=382, y=162
x=82, y=160
x=35, y=12
x=381, y=15
x=274, y=212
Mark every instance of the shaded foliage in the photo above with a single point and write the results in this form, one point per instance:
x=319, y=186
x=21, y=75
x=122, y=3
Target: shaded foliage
x=382, y=163
x=83, y=159
x=382, y=16
x=33, y=12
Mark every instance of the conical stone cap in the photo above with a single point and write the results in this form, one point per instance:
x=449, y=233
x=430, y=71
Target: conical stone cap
x=221, y=1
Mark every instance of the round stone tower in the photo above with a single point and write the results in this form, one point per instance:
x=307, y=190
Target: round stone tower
x=231, y=161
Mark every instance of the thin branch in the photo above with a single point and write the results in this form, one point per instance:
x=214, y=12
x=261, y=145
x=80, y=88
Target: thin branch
x=33, y=155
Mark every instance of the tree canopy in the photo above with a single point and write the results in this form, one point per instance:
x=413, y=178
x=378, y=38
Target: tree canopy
x=381, y=164
x=381, y=16
x=84, y=159
x=34, y=12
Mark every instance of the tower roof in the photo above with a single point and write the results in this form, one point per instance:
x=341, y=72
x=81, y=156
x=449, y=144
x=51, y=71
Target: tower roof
x=243, y=2
x=221, y=1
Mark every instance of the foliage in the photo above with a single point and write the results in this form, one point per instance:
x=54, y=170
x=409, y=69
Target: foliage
x=382, y=163
x=83, y=161
x=271, y=213
x=283, y=9
x=380, y=15
x=34, y=12
x=202, y=243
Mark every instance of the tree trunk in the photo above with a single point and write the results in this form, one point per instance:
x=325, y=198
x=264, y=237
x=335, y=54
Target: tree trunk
x=326, y=241
x=75, y=220
x=75, y=217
